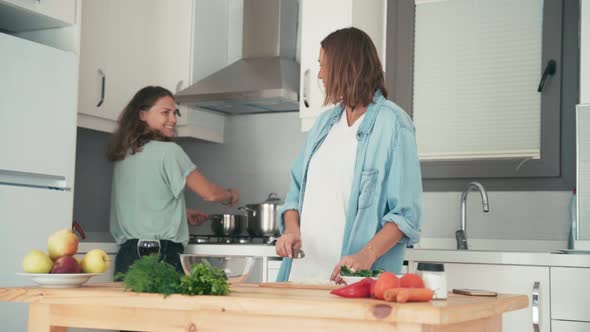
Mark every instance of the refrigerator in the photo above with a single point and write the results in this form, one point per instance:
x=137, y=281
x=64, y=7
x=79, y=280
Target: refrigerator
x=38, y=106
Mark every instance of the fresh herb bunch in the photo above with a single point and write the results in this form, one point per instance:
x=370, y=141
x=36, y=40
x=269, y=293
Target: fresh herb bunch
x=151, y=275
x=204, y=279
x=345, y=271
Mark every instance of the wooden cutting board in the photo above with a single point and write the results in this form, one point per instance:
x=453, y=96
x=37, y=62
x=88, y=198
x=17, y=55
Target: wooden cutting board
x=294, y=285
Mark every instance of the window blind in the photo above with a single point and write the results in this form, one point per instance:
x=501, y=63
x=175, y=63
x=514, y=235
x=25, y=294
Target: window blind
x=477, y=65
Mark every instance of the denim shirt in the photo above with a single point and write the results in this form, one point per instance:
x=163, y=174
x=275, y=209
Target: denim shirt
x=386, y=187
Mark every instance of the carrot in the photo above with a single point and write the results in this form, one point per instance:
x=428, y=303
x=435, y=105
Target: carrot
x=390, y=295
x=414, y=295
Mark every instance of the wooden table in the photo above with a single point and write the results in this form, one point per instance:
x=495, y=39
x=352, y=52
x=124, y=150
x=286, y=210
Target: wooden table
x=265, y=307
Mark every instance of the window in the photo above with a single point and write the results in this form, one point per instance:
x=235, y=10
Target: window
x=468, y=72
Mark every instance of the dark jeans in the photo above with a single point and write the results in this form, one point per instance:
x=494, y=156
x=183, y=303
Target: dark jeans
x=169, y=252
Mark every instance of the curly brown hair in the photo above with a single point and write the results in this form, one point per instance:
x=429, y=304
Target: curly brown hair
x=353, y=68
x=133, y=133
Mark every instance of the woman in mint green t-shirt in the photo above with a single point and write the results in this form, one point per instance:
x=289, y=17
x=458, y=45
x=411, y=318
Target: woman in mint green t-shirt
x=149, y=175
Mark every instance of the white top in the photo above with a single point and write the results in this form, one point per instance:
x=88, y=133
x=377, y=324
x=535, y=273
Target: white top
x=323, y=214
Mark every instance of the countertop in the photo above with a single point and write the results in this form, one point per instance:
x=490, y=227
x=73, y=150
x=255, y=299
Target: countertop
x=251, y=304
x=498, y=257
x=539, y=253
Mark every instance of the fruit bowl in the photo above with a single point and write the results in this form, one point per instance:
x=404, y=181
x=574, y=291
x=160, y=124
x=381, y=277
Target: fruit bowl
x=236, y=268
x=59, y=280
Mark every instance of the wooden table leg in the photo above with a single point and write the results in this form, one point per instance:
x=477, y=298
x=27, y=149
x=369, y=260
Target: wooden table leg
x=40, y=319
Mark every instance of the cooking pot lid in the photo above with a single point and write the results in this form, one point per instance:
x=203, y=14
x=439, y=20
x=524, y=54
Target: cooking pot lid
x=223, y=216
x=272, y=198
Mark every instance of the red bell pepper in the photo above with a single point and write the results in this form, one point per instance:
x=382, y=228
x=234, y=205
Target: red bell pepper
x=358, y=289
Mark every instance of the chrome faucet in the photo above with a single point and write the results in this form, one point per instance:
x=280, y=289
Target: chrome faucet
x=461, y=234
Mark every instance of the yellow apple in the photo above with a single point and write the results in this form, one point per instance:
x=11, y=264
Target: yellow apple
x=36, y=261
x=62, y=243
x=95, y=261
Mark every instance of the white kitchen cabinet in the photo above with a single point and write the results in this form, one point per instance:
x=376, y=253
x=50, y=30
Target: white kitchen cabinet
x=508, y=279
x=94, y=44
x=28, y=15
x=567, y=326
x=318, y=19
x=126, y=45
x=273, y=270
x=570, y=295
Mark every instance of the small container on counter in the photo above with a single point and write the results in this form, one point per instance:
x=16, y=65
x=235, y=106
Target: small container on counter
x=434, y=278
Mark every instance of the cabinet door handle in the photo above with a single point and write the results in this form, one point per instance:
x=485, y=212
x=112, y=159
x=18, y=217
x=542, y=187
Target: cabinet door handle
x=103, y=81
x=535, y=303
x=306, y=88
x=549, y=70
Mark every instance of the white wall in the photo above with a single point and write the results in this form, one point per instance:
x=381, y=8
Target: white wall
x=256, y=158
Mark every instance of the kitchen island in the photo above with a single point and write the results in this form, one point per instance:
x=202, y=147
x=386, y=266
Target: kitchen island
x=252, y=307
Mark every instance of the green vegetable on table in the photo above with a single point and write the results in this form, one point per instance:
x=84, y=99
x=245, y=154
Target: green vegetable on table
x=151, y=275
x=204, y=279
x=345, y=271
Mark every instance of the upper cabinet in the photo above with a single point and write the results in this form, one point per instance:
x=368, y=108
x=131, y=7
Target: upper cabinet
x=318, y=19
x=126, y=45
x=28, y=15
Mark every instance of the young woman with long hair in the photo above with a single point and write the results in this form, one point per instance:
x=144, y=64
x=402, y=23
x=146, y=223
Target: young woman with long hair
x=149, y=176
x=355, y=196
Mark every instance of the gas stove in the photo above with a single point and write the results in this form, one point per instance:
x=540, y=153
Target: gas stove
x=233, y=240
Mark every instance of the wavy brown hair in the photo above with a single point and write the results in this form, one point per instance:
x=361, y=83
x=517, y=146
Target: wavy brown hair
x=133, y=133
x=354, y=70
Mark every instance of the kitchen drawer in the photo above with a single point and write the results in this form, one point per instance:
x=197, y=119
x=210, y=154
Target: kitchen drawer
x=570, y=294
x=569, y=326
x=509, y=279
x=273, y=270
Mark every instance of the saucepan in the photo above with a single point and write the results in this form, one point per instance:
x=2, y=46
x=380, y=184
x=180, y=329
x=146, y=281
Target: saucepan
x=228, y=224
x=262, y=219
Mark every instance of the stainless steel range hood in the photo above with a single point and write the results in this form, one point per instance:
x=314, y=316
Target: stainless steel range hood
x=266, y=79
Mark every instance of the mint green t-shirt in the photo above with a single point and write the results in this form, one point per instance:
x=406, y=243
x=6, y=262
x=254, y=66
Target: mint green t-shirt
x=147, y=197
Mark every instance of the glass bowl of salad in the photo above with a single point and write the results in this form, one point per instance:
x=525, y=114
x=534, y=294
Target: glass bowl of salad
x=236, y=268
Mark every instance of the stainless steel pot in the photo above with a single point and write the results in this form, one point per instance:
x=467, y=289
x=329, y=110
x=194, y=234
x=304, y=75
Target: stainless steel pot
x=262, y=220
x=228, y=224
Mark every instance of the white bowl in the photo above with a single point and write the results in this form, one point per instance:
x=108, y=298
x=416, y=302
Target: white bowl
x=59, y=280
x=236, y=268
x=351, y=280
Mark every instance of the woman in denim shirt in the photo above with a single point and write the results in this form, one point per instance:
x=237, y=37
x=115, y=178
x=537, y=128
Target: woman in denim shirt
x=355, y=195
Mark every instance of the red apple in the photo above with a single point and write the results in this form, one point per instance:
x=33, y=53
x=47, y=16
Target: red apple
x=66, y=264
